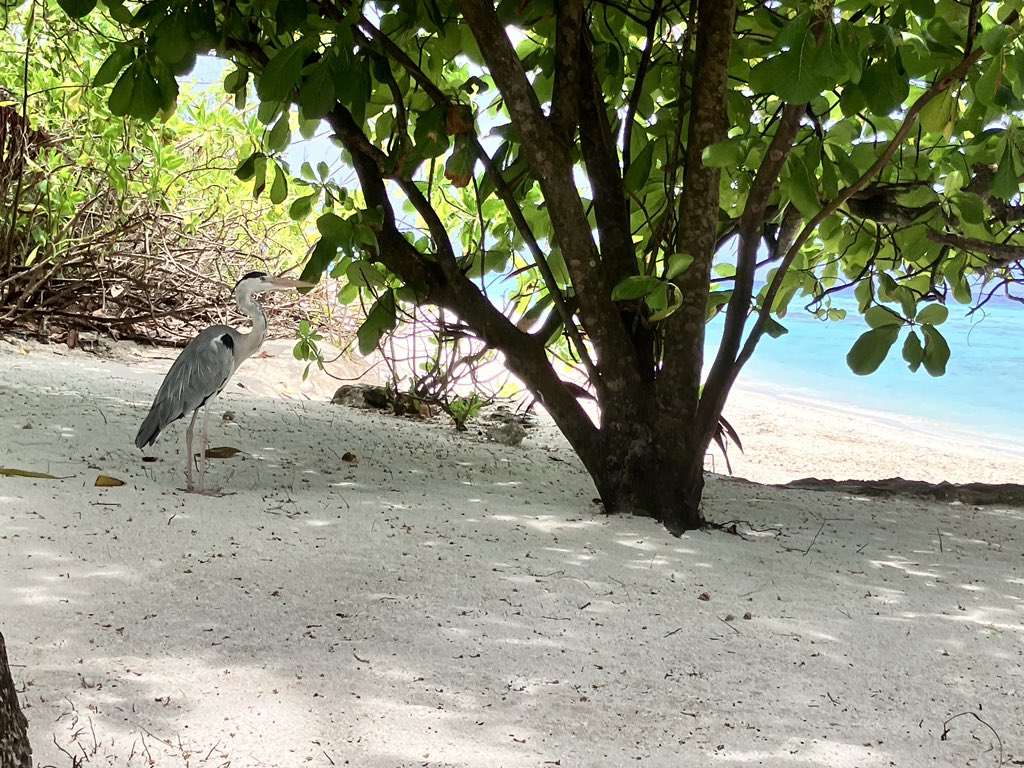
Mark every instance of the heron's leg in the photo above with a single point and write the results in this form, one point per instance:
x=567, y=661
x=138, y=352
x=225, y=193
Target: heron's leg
x=188, y=451
x=204, y=443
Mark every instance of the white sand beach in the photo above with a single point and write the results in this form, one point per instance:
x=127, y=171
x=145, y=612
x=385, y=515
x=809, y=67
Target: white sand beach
x=448, y=601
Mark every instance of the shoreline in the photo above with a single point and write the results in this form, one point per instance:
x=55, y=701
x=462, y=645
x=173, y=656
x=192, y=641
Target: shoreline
x=928, y=427
x=790, y=437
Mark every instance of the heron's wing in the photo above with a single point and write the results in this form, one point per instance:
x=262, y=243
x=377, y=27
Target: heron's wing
x=199, y=373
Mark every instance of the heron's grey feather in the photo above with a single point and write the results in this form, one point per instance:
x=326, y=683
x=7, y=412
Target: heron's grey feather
x=199, y=373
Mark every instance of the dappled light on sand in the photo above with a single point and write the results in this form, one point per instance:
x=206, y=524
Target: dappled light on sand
x=452, y=602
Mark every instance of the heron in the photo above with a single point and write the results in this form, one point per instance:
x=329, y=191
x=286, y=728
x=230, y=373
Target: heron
x=203, y=368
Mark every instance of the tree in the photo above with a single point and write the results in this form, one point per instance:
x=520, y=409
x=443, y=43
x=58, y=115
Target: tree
x=592, y=182
x=15, y=751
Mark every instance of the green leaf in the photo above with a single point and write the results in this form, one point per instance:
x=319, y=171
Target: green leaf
x=907, y=299
x=316, y=95
x=639, y=172
x=863, y=295
x=301, y=207
x=259, y=181
x=936, y=351
x=829, y=178
x=120, y=99
x=290, y=14
x=636, y=287
x=381, y=318
x=970, y=208
x=172, y=40
x=986, y=86
x=247, y=168
x=871, y=348
x=923, y=8
x=884, y=86
x=918, y=197
x=76, y=9
x=118, y=12
x=167, y=86
x=353, y=86
x=348, y=293
x=939, y=114
x=913, y=352
x=933, y=314
x=879, y=316
x=325, y=251
x=774, y=328
x=431, y=139
x=281, y=75
x=280, y=135
x=1005, y=184
x=802, y=186
x=279, y=189
x=725, y=154
x=800, y=73
x=136, y=92
x=669, y=309
x=118, y=60
x=994, y=38
x=677, y=264
x=962, y=290
x=333, y=226
x=236, y=79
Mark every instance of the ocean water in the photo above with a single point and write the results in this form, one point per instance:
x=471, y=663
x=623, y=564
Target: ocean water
x=981, y=393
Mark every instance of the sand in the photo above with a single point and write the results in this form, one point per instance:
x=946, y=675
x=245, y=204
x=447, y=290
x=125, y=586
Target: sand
x=447, y=601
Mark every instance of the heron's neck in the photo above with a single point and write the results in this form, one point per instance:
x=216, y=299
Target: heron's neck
x=252, y=341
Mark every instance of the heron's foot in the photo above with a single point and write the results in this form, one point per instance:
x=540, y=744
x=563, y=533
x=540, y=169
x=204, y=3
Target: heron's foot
x=209, y=492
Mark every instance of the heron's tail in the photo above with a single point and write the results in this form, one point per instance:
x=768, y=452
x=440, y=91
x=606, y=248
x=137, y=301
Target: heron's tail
x=149, y=430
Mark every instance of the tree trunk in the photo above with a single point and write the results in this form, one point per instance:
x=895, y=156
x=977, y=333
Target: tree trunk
x=15, y=751
x=640, y=470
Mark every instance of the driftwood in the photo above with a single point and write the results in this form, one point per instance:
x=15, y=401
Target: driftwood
x=15, y=751
x=1007, y=494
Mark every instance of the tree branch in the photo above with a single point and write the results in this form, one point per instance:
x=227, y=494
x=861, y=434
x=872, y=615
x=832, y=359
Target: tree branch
x=638, y=86
x=568, y=42
x=999, y=254
x=551, y=161
x=600, y=154
x=679, y=381
x=751, y=228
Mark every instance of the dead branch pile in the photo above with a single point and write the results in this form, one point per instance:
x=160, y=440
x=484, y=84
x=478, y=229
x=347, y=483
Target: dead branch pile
x=138, y=273
x=138, y=276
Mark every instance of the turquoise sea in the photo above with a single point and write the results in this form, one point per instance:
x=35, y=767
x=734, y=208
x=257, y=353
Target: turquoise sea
x=982, y=391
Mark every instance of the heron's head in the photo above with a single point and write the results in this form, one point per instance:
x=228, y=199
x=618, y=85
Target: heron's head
x=257, y=282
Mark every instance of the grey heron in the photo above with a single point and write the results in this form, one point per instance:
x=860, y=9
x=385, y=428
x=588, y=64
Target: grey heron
x=203, y=368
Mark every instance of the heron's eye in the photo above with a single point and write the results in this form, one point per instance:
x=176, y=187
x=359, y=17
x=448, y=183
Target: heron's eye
x=252, y=276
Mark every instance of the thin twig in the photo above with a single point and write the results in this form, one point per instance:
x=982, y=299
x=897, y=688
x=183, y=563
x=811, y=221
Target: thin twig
x=816, y=536
x=945, y=731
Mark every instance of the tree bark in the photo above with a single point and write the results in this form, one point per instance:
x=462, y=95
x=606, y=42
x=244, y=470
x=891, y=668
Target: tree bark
x=15, y=751
x=636, y=474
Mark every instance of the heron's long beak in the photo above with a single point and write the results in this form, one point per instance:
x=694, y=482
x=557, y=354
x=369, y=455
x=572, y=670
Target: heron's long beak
x=283, y=283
